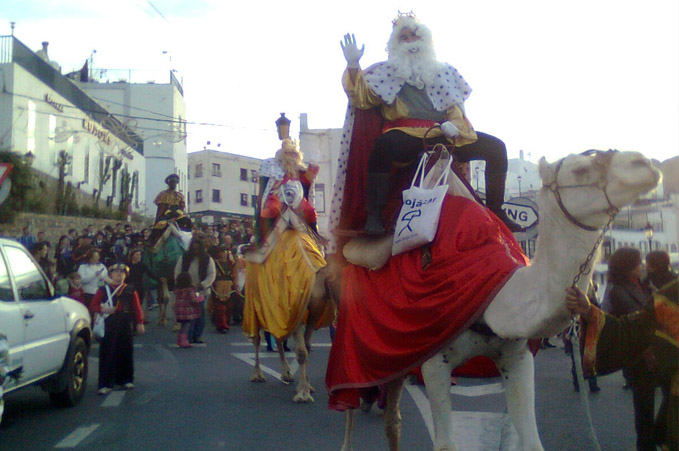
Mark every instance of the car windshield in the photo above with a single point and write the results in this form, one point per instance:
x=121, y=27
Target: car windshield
x=29, y=279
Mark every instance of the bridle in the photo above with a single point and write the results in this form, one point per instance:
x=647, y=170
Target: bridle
x=554, y=187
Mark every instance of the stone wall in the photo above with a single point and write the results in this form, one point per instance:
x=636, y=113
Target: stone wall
x=54, y=226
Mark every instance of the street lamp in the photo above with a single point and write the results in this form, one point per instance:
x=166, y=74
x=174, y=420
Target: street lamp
x=518, y=177
x=476, y=169
x=283, y=127
x=648, y=231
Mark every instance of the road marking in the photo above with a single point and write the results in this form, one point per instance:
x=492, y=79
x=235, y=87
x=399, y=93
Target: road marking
x=471, y=430
x=74, y=438
x=249, y=358
x=477, y=390
x=114, y=398
x=98, y=345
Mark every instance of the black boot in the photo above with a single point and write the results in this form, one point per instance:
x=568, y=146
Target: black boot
x=495, y=197
x=377, y=191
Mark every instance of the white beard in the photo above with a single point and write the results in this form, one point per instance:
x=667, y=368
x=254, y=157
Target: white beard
x=415, y=62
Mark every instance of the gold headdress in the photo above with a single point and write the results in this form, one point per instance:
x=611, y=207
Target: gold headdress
x=410, y=15
x=289, y=144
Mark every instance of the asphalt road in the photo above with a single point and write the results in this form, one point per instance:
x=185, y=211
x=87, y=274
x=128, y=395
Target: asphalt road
x=201, y=399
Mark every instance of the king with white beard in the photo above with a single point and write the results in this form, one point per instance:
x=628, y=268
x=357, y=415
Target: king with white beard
x=413, y=91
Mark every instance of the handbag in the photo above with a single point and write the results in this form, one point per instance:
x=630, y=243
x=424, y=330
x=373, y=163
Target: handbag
x=99, y=326
x=419, y=216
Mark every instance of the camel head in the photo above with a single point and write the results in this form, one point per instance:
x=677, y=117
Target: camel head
x=593, y=185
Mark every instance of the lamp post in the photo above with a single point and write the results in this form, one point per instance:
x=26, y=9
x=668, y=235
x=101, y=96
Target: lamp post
x=476, y=170
x=283, y=127
x=648, y=231
x=518, y=177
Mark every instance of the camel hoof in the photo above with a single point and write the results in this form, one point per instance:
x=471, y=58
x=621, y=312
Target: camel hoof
x=366, y=406
x=257, y=377
x=287, y=377
x=303, y=398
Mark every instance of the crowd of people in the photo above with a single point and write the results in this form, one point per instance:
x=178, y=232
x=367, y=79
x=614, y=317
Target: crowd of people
x=635, y=330
x=86, y=252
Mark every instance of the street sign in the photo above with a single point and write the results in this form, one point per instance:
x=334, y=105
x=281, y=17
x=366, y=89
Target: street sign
x=5, y=182
x=522, y=211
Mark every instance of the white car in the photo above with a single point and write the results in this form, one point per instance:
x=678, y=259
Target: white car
x=48, y=336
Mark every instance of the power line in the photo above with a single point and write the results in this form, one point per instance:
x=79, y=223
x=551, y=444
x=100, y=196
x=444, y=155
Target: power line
x=172, y=120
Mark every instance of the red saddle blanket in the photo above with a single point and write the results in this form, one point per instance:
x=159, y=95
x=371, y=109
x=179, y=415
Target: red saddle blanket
x=393, y=319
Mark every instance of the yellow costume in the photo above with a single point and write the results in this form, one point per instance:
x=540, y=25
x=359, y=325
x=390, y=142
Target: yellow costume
x=277, y=292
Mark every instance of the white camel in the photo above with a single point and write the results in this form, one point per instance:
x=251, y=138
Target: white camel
x=316, y=303
x=591, y=188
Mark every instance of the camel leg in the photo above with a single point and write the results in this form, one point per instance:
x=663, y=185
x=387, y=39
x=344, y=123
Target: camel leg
x=436, y=374
x=286, y=374
x=392, y=413
x=517, y=369
x=257, y=373
x=348, y=429
x=303, y=387
x=316, y=306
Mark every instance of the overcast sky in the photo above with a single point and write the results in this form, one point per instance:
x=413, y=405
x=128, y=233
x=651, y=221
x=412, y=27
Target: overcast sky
x=549, y=77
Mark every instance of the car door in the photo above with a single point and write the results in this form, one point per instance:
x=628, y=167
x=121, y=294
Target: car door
x=45, y=335
x=11, y=321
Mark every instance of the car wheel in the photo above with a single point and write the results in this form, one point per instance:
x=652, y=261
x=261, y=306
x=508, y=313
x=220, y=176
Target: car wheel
x=75, y=374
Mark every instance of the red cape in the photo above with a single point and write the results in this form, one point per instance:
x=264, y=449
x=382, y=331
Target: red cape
x=393, y=319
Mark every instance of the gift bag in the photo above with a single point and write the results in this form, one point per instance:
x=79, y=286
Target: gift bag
x=99, y=327
x=419, y=216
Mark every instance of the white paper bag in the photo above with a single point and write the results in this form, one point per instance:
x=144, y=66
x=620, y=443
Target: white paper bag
x=419, y=217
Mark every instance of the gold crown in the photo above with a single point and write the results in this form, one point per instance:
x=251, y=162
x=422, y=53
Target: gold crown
x=401, y=16
x=289, y=144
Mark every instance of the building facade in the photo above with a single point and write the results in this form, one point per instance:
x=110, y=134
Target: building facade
x=70, y=136
x=221, y=186
x=322, y=147
x=157, y=113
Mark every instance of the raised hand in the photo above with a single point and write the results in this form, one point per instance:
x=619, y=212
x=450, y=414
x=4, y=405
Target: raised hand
x=351, y=52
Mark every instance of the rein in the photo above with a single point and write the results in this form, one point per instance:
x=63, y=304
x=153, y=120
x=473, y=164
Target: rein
x=554, y=187
x=585, y=268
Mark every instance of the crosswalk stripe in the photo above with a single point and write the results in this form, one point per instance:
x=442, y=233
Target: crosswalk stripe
x=473, y=391
x=74, y=438
x=113, y=399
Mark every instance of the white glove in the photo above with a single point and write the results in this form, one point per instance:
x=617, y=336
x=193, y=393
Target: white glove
x=449, y=130
x=351, y=52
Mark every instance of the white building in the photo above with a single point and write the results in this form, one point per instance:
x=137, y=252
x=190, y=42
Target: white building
x=157, y=113
x=322, y=147
x=47, y=115
x=221, y=186
x=225, y=186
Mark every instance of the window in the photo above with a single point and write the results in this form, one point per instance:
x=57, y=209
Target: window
x=215, y=196
x=199, y=196
x=30, y=282
x=253, y=200
x=5, y=287
x=199, y=170
x=244, y=198
x=243, y=174
x=319, y=197
x=216, y=170
x=254, y=176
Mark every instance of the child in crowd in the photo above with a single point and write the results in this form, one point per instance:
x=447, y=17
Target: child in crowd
x=75, y=288
x=120, y=302
x=186, y=307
